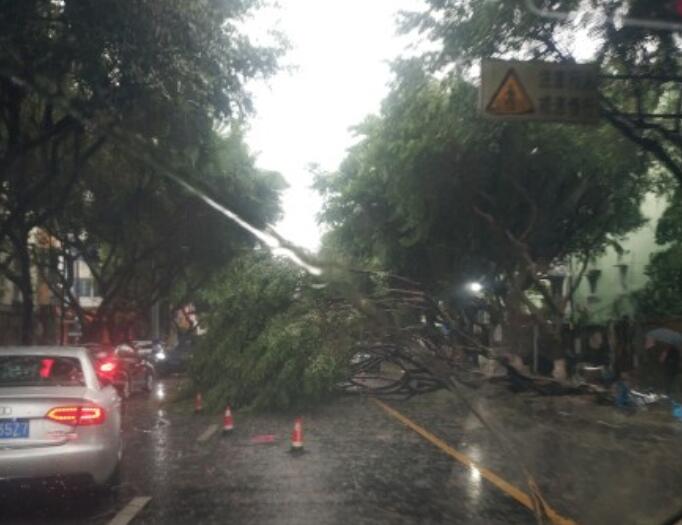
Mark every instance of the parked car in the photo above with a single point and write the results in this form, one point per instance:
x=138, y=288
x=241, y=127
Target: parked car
x=58, y=420
x=124, y=367
x=145, y=348
x=153, y=351
x=176, y=360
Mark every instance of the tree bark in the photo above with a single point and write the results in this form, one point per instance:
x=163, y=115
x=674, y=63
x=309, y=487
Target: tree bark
x=25, y=286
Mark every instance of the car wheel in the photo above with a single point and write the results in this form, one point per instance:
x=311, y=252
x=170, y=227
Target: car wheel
x=109, y=489
x=148, y=382
x=115, y=479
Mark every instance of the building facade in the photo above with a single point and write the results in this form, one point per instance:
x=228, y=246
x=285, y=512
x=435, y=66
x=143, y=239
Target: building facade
x=606, y=291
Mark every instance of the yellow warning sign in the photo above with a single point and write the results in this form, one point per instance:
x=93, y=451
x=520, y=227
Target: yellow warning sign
x=510, y=98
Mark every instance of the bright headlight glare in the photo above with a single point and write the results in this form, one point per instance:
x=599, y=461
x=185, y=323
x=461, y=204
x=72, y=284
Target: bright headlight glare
x=475, y=287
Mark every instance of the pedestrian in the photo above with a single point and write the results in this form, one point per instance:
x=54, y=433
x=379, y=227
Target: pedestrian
x=670, y=359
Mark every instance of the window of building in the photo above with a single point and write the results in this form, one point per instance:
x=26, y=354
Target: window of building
x=623, y=275
x=85, y=287
x=592, y=279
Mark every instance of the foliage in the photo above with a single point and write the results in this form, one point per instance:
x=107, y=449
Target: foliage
x=662, y=295
x=71, y=77
x=97, y=93
x=277, y=340
x=145, y=241
x=466, y=31
x=669, y=227
x=435, y=193
x=273, y=341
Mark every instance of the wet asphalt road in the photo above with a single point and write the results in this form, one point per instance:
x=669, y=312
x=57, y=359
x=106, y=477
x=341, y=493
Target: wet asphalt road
x=360, y=465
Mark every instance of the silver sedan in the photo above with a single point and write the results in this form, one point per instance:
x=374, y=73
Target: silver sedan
x=57, y=419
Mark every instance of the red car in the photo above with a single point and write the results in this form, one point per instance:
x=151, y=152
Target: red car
x=124, y=367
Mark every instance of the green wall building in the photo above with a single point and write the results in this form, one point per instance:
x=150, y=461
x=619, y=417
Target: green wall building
x=605, y=292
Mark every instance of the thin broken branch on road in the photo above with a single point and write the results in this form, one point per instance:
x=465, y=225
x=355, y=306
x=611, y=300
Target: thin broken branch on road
x=406, y=355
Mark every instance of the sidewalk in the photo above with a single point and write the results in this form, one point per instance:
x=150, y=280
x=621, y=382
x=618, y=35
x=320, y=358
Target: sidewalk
x=594, y=464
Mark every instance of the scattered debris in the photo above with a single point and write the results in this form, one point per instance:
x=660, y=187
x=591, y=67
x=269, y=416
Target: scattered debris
x=263, y=438
x=677, y=411
x=646, y=398
x=610, y=425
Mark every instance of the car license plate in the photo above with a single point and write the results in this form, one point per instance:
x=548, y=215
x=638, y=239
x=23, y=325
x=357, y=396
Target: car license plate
x=13, y=428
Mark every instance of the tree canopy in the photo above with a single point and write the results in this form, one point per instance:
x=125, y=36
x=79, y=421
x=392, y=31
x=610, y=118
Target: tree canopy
x=640, y=61
x=94, y=97
x=435, y=193
x=273, y=340
x=146, y=240
x=662, y=296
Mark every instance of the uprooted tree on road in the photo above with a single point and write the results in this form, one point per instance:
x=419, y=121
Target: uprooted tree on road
x=274, y=338
x=279, y=338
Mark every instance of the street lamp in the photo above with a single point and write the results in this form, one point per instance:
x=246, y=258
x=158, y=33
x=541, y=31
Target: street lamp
x=475, y=287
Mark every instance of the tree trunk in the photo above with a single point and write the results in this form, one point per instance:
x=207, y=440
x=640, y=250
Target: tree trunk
x=26, y=288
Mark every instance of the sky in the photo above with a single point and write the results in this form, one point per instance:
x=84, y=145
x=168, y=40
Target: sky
x=340, y=53
x=340, y=50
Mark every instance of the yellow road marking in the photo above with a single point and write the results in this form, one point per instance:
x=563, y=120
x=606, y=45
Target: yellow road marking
x=128, y=513
x=207, y=433
x=506, y=487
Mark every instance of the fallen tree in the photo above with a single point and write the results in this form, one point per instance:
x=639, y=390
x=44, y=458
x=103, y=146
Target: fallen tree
x=405, y=360
x=279, y=338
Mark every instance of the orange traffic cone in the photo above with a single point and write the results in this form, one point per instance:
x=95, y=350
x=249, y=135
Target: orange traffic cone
x=228, y=422
x=198, y=403
x=297, y=436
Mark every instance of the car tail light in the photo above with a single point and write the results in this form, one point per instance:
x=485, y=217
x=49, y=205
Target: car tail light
x=46, y=368
x=107, y=367
x=77, y=415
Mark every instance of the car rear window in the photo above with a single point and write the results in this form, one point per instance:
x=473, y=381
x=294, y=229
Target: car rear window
x=39, y=370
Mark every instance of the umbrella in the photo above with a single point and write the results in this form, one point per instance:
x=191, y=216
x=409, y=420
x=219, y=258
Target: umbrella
x=667, y=336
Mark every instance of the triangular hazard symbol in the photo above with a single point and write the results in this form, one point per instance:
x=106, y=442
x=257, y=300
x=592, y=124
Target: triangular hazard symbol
x=510, y=98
